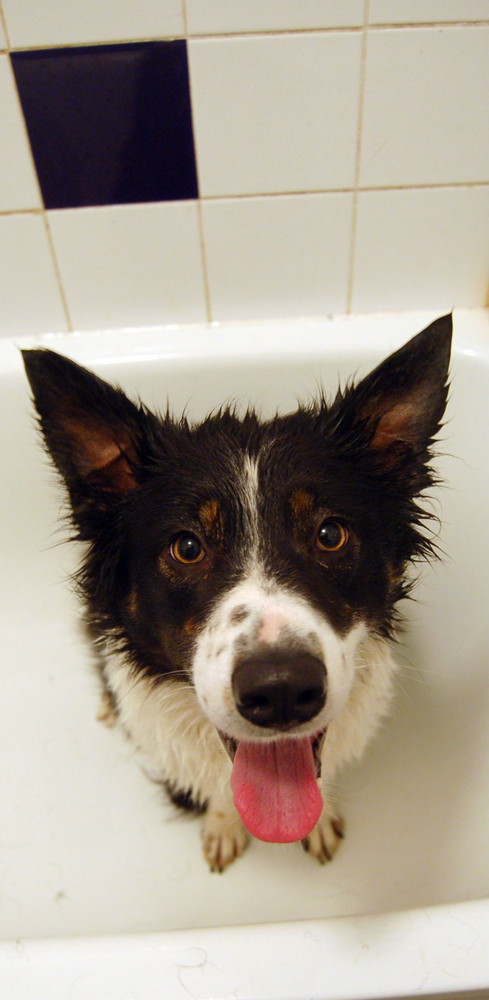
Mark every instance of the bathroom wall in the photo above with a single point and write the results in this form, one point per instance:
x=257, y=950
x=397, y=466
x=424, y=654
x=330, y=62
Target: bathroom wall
x=172, y=161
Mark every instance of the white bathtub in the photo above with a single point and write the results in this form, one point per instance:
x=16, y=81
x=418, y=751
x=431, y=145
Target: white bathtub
x=104, y=894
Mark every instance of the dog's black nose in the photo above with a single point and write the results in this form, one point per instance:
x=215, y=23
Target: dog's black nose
x=278, y=690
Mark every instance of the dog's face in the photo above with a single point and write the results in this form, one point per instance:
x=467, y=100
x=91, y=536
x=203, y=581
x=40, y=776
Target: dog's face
x=250, y=558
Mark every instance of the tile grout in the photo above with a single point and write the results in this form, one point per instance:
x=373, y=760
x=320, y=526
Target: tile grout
x=184, y=18
x=3, y=24
x=25, y=132
x=338, y=29
x=205, y=269
x=401, y=25
x=57, y=271
x=294, y=193
x=40, y=212
x=256, y=33
x=200, y=217
x=358, y=154
x=449, y=185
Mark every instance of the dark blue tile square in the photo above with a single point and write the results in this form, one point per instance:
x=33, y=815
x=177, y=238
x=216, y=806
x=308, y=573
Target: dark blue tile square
x=109, y=124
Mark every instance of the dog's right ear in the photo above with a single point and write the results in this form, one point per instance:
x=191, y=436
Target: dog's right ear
x=396, y=411
x=92, y=431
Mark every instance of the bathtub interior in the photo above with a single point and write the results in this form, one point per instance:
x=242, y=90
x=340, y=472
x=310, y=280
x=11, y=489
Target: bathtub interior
x=88, y=845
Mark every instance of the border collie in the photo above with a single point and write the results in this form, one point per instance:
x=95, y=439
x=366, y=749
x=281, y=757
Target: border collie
x=241, y=577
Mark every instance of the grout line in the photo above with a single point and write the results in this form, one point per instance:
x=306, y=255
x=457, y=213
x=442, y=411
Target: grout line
x=423, y=187
x=9, y=212
x=200, y=214
x=106, y=43
x=455, y=185
x=271, y=32
x=267, y=33
x=185, y=36
x=205, y=269
x=185, y=18
x=3, y=22
x=482, y=23
x=41, y=211
x=223, y=35
x=361, y=109
x=343, y=190
x=335, y=29
x=25, y=131
x=57, y=270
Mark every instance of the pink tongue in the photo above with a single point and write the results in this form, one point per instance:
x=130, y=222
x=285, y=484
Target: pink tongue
x=275, y=789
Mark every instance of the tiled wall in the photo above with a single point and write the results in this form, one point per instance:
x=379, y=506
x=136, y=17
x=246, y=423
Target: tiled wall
x=172, y=161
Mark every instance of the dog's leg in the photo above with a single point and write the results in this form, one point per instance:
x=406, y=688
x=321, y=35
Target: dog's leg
x=224, y=837
x=325, y=838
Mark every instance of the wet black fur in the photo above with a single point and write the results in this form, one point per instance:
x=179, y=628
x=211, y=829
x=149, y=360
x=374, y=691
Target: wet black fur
x=184, y=800
x=129, y=510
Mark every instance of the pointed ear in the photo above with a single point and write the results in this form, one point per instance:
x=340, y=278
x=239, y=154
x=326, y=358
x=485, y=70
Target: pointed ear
x=401, y=403
x=91, y=430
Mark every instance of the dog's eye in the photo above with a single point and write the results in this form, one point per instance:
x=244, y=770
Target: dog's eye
x=332, y=535
x=187, y=549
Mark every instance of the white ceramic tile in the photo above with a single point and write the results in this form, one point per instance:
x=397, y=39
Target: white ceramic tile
x=275, y=113
x=422, y=249
x=49, y=22
x=18, y=183
x=29, y=294
x=427, y=11
x=130, y=265
x=426, y=115
x=3, y=40
x=208, y=16
x=278, y=256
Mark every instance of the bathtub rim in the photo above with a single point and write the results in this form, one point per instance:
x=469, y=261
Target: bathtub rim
x=381, y=332
x=425, y=943
x=394, y=955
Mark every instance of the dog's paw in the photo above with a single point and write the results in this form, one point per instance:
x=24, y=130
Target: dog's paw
x=224, y=839
x=325, y=838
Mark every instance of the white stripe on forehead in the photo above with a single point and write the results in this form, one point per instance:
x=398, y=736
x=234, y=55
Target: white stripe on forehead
x=249, y=497
x=249, y=487
x=250, y=480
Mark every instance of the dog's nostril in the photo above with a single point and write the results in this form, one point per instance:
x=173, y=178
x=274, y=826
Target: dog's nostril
x=308, y=697
x=279, y=691
x=255, y=702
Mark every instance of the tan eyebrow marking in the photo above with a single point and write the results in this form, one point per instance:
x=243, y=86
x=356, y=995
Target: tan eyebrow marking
x=191, y=626
x=302, y=503
x=211, y=519
x=132, y=603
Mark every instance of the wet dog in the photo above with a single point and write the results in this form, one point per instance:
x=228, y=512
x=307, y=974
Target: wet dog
x=241, y=578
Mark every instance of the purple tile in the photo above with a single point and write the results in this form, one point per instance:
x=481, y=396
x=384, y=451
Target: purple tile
x=109, y=124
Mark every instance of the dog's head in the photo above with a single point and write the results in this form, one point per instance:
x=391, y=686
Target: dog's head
x=251, y=558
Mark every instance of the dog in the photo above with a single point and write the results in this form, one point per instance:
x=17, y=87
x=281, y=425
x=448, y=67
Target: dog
x=241, y=579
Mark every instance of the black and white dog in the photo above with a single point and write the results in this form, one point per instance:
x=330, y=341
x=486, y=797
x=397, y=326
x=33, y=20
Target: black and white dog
x=241, y=578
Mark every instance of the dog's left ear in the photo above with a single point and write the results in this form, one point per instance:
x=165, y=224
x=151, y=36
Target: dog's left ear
x=91, y=429
x=400, y=405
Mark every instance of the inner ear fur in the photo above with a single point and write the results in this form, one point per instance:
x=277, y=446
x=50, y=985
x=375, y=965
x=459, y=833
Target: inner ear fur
x=401, y=403
x=91, y=429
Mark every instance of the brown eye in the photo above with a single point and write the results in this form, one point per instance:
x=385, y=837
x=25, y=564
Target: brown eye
x=186, y=549
x=332, y=535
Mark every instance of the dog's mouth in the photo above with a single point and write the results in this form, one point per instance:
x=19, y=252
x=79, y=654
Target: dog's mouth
x=316, y=741
x=274, y=784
